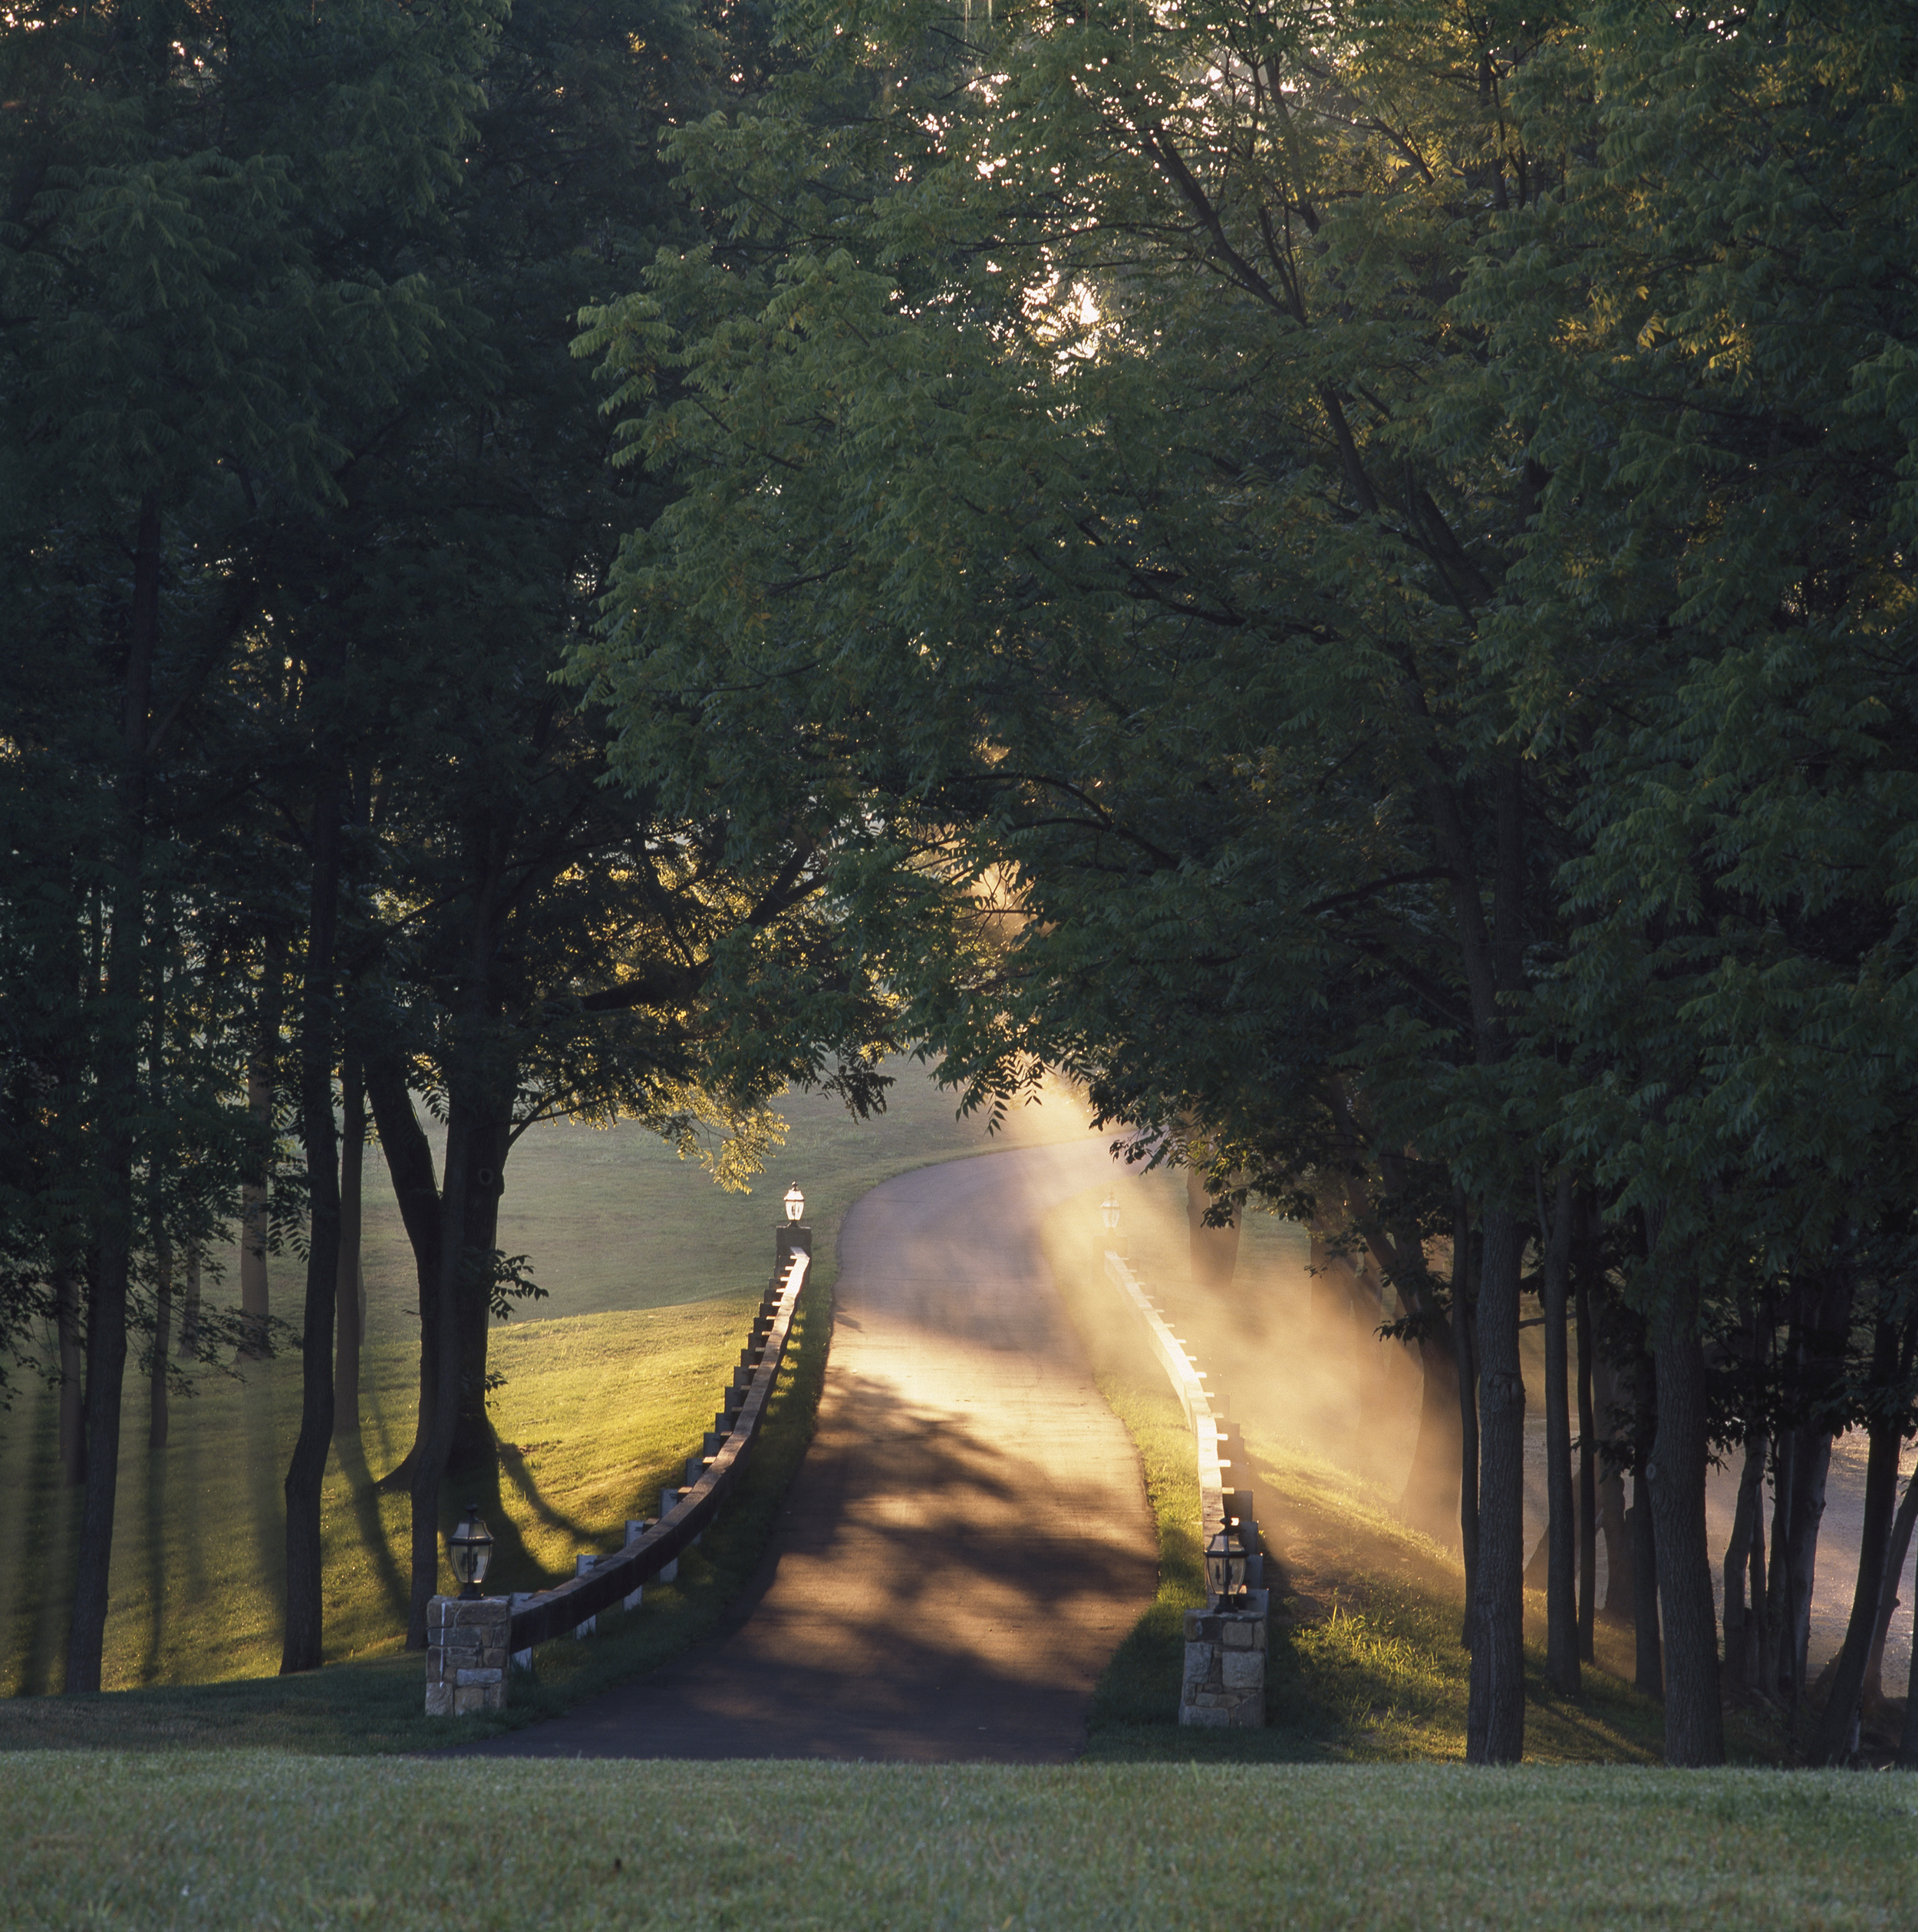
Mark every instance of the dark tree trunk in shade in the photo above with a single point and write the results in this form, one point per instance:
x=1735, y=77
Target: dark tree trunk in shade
x=415, y=1190
x=349, y=1308
x=162, y=1335
x=1885, y=1438
x=1694, y=1713
x=1463, y=1324
x=1613, y=1420
x=1561, y=1581
x=1587, y=1477
x=304, y=1645
x=118, y=1105
x=1908, y=1735
x=1873, y=1695
x=430, y=1455
x=1795, y=1559
x=262, y=1065
x=72, y=1376
x=1495, y=1714
x=1760, y=1654
x=1747, y=1520
x=1649, y=1665
x=475, y=1446
x=189, y=1309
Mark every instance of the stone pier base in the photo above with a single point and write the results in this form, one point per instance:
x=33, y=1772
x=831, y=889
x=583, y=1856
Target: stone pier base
x=1225, y=1685
x=467, y=1655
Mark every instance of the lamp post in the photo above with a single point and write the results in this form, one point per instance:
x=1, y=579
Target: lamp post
x=793, y=1232
x=469, y=1550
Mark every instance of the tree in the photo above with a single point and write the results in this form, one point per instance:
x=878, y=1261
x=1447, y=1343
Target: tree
x=1068, y=440
x=189, y=332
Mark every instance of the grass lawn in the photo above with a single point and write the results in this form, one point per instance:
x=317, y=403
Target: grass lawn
x=264, y=1840
x=652, y=1274
x=1365, y=1663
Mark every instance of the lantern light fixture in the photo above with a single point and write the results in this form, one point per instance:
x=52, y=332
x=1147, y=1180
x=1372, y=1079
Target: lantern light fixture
x=1225, y=1566
x=795, y=1202
x=1108, y=1210
x=469, y=1550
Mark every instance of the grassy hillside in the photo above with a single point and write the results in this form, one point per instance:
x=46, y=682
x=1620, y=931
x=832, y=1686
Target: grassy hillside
x=258, y=1840
x=652, y=1272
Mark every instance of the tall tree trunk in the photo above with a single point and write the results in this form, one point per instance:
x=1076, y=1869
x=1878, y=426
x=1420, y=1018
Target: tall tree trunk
x=1760, y=1656
x=162, y=1335
x=1811, y=1467
x=1873, y=1692
x=1587, y=1476
x=1885, y=1438
x=1908, y=1734
x=1464, y=1322
x=72, y=1376
x=1495, y=1715
x=189, y=1308
x=1747, y=1523
x=1613, y=1420
x=1774, y=1644
x=254, y=1207
x=304, y=1645
x=431, y=1455
x=1648, y=1672
x=351, y=1287
x=1694, y=1714
x=409, y=1160
x=118, y=1097
x=475, y=1445
x=1561, y=1605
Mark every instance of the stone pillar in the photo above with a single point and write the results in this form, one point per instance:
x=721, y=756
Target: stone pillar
x=1224, y=1686
x=466, y=1642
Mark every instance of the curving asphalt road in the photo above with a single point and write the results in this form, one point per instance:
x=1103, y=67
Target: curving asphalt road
x=968, y=1539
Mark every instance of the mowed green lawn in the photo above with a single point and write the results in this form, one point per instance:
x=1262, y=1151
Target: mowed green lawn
x=263, y=1841
x=652, y=1272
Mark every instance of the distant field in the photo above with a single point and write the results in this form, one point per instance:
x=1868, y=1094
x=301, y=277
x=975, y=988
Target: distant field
x=651, y=1271
x=254, y=1839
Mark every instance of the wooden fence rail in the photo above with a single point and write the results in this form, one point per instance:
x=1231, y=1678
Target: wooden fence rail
x=711, y=1477
x=1219, y=1450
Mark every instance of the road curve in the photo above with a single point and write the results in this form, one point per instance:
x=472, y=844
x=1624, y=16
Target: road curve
x=968, y=1539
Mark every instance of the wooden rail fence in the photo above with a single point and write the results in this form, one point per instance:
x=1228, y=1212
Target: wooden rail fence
x=1219, y=1448
x=651, y=1547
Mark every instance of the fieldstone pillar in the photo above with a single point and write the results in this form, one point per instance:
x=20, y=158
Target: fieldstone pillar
x=466, y=1642
x=1224, y=1686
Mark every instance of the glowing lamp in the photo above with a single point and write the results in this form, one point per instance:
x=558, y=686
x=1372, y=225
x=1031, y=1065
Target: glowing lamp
x=795, y=1202
x=469, y=1550
x=1225, y=1566
x=1108, y=1210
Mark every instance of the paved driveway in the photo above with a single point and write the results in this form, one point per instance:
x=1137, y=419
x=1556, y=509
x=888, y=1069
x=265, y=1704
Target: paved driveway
x=968, y=1539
